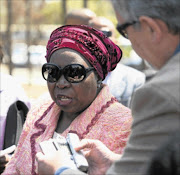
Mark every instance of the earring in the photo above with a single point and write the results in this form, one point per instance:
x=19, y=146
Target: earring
x=99, y=83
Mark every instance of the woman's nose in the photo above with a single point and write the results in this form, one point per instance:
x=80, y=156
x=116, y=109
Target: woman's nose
x=62, y=83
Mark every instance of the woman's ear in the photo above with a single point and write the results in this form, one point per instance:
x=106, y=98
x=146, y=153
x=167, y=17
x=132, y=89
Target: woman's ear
x=153, y=27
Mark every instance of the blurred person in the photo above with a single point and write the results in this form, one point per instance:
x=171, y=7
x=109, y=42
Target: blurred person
x=1, y=53
x=153, y=29
x=105, y=25
x=10, y=92
x=78, y=59
x=123, y=80
x=79, y=16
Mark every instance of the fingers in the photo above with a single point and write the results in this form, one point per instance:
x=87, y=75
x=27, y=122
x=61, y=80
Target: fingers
x=2, y=165
x=8, y=157
x=87, y=143
x=3, y=162
x=86, y=153
x=4, y=159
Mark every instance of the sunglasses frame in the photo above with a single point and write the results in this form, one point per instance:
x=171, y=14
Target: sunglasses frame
x=107, y=33
x=122, y=27
x=61, y=72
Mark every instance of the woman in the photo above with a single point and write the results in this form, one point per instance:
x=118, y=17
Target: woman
x=78, y=59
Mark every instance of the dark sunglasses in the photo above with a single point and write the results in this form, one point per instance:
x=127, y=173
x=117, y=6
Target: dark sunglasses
x=107, y=33
x=73, y=73
x=122, y=28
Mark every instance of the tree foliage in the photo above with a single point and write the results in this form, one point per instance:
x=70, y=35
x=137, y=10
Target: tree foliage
x=53, y=13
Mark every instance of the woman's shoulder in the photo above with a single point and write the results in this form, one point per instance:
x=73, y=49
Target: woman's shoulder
x=115, y=123
x=116, y=115
x=118, y=109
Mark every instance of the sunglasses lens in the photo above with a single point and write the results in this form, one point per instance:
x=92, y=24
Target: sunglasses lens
x=74, y=73
x=50, y=73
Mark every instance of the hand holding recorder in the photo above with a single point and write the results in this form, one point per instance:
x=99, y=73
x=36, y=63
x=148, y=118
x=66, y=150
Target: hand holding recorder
x=5, y=156
x=60, y=152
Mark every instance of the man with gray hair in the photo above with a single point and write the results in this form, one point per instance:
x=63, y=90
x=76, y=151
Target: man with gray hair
x=153, y=28
x=123, y=80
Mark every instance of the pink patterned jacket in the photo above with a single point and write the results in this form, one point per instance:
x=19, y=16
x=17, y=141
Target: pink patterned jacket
x=105, y=119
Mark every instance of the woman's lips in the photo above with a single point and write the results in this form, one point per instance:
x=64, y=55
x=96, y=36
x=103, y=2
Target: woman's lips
x=63, y=100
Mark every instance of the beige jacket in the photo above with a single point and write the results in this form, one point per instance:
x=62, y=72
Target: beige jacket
x=156, y=113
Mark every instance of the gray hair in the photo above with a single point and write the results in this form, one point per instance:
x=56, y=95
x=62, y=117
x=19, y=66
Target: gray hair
x=165, y=10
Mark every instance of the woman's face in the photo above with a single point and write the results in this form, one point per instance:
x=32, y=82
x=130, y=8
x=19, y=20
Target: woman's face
x=72, y=97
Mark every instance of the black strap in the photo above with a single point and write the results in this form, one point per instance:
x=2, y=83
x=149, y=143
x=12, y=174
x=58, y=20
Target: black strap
x=16, y=117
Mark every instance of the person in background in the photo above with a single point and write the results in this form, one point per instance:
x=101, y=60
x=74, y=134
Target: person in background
x=10, y=92
x=105, y=25
x=79, y=16
x=78, y=59
x=123, y=80
x=153, y=29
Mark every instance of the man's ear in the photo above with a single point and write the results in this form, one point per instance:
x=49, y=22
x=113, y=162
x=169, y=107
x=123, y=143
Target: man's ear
x=153, y=26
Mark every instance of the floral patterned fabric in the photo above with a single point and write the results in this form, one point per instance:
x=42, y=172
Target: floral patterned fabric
x=105, y=119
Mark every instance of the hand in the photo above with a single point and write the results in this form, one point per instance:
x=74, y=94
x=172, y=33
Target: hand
x=99, y=157
x=3, y=162
x=51, y=162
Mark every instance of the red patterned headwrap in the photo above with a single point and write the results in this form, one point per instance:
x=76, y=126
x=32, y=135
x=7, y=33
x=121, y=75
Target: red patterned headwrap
x=98, y=49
